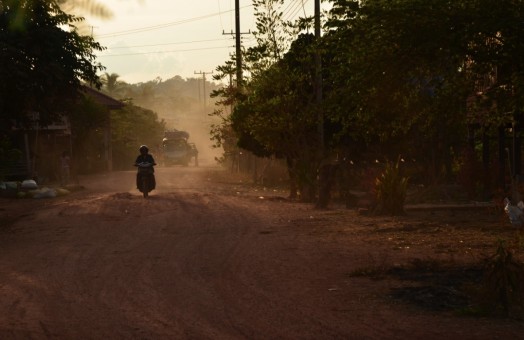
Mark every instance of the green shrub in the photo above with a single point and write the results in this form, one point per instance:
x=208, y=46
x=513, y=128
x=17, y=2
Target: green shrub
x=503, y=283
x=390, y=190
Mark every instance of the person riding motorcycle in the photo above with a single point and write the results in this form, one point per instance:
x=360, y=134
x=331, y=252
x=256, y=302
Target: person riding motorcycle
x=146, y=157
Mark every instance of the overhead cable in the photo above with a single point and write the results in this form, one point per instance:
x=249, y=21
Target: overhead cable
x=161, y=26
x=157, y=52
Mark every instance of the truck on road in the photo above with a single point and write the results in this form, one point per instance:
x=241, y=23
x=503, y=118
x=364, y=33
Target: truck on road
x=177, y=150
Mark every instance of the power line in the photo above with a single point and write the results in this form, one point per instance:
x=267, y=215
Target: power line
x=204, y=81
x=304, y=7
x=165, y=25
x=287, y=7
x=156, y=52
x=151, y=28
x=290, y=8
x=163, y=44
x=292, y=13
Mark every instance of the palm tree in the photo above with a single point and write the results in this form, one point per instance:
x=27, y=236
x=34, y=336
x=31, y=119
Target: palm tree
x=112, y=85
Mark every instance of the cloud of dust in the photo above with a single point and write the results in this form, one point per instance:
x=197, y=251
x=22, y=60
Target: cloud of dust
x=198, y=125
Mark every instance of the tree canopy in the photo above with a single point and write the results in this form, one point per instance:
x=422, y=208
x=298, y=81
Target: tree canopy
x=403, y=71
x=44, y=61
x=400, y=77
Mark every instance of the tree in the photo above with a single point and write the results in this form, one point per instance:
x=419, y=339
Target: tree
x=398, y=72
x=221, y=132
x=133, y=126
x=273, y=36
x=408, y=77
x=277, y=117
x=271, y=113
x=88, y=121
x=45, y=60
x=112, y=85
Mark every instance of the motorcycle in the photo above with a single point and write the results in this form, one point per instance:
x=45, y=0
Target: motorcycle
x=145, y=178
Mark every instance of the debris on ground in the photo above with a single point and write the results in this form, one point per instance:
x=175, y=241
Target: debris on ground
x=515, y=212
x=30, y=189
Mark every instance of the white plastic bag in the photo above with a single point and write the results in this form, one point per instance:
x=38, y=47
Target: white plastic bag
x=515, y=213
x=29, y=184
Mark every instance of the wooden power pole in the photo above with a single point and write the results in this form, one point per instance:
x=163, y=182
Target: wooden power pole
x=318, y=80
x=237, y=43
x=204, y=81
x=325, y=169
x=238, y=49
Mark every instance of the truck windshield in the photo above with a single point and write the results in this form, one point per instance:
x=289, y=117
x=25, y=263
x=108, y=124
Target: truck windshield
x=174, y=145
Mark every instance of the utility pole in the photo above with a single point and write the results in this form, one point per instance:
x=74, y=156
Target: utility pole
x=318, y=79
x=238, y=53
x=237, y=43
x=204, y=81
x=325, y=169
x=92, y=29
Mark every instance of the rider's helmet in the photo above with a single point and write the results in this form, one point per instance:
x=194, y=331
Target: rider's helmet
x=144, y=149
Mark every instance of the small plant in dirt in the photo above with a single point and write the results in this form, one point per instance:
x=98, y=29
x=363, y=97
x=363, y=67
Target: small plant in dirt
x=502, y=290
x=390, y=190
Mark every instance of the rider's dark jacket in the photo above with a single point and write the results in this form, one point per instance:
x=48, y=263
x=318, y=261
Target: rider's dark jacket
x=145, y=158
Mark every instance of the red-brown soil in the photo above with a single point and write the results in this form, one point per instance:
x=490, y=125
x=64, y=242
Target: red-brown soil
x=210, y=257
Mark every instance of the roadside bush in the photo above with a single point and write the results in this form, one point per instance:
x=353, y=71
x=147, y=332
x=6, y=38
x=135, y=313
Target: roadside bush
x=503, y=283
x=390, y=190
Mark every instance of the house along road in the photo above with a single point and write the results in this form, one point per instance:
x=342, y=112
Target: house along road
x=204, y=257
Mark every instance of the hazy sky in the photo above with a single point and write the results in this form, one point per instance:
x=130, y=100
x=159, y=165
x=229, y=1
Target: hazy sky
x=163, y=38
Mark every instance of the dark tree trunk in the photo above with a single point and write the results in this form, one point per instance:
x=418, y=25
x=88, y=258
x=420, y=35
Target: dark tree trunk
x=502, y=158
x=486, y=178
x=325, y=182
x=292, y=179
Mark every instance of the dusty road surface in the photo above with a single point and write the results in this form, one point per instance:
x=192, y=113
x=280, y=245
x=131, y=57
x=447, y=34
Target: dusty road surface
x=207, y=257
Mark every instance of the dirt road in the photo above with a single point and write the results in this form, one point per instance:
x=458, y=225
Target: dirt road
x=203, y=258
